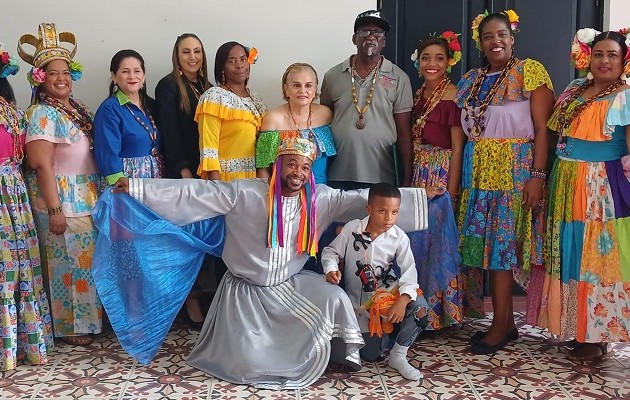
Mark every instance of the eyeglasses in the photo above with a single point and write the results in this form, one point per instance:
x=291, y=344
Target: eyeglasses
x=379, y=34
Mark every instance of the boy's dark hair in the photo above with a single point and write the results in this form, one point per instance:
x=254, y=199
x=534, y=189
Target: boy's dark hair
x=383, y=190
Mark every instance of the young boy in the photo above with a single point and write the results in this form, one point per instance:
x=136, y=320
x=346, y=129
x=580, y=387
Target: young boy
x=369, y=247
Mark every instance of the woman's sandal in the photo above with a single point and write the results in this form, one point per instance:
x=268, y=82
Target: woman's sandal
x=81, y=340
x=588, y=352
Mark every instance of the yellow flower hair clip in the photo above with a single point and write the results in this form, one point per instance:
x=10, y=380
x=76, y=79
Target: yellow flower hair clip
x=511, y=15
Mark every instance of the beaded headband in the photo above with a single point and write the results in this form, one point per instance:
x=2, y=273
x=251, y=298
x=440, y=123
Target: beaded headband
x=582, y=46
x=454, y=50
x=510, y=14
x=299, y=146
x=8, y=65
x=48, y=48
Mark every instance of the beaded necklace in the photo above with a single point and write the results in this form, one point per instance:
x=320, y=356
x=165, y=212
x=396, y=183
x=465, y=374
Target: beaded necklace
x=254, y=110
x=428, y=106
x=80, y=117
x=565, y=117
x=362, y=110
x=9, y=113
x=478, y=111
x=311, y=135
x=152, y=132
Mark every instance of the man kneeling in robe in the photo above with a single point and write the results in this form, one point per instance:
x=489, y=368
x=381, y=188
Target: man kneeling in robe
x=273, y=324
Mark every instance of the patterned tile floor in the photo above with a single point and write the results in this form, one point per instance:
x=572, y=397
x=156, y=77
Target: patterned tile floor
x=535, y=367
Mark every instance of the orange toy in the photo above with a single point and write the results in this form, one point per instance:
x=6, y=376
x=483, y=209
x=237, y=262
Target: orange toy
x=379, y=306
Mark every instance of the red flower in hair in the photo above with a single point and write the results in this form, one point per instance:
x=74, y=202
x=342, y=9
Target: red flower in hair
x=4, y=57
x=448, y=35
x=454, y=45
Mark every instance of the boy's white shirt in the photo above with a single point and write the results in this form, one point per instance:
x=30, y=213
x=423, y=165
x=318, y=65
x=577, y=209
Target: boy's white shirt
x=391, y=244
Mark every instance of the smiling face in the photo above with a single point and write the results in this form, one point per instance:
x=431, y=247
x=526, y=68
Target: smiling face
x=58, y=82
x=383, y=212
x=606, y=61
x=190, y=57
x=129, y=77
x=369, y=39
x=236, y=68
x=497, y=42
x=433, y=61
x=294, y=174
x=300, y=87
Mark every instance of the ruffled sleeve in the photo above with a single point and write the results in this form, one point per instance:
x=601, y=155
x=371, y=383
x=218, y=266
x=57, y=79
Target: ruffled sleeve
x=463, y=87
x=46, y=123
x=266, y=148
x=535, y=75
x=446, y=113
x=619, y=112
x=227, y=106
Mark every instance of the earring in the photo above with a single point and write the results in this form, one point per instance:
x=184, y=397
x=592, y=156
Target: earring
x=222, y=78
x=201, y=73
x=589, y=76
x=115, y=87
x=180, y=72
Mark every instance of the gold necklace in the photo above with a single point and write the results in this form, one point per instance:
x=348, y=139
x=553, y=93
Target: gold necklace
x=311, y=135
x=375, y=71
x=427, y=107
x=194, y=89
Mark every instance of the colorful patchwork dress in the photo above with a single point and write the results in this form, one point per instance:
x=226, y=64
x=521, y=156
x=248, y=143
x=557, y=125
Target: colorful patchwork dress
x=435, y=249
x=228, y=129
x=25, y=324
x=269, y=141
x=586, y=292
x=76, y=307
x=496, y=232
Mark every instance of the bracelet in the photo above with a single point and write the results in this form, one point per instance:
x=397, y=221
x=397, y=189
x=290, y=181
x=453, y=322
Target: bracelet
x=454, y=197
x=54, y=210
x=538, y=173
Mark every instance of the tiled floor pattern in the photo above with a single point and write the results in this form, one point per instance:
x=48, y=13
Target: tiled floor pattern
x=535, y=367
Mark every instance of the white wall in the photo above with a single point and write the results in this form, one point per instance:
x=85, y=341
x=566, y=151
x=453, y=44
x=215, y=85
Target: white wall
x=616, y=14
x=284, y=31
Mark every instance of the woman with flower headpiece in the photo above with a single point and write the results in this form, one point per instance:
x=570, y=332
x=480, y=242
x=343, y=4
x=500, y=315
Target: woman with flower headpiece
x=505, y=106
x=25, y=325
x=438, y=143
x=586, y=293
x=63, y=183
x=229, y=117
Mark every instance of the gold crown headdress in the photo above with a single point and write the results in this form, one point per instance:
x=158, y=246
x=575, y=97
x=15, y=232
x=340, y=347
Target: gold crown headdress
x=48, y=48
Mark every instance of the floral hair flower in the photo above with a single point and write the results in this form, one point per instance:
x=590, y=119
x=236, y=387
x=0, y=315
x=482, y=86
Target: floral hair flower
x=511, y=15
x=582, y=46
x=454, y=50
x=8, y=64
x=36, y=76
x=252, y=55
x=76, y=70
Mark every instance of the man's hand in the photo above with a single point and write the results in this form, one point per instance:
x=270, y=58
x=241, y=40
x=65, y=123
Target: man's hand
x=397, y=310
x=433, y=191
x=333, y=277
x=121, y=186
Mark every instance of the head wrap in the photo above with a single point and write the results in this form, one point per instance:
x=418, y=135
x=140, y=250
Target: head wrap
x=307, y=231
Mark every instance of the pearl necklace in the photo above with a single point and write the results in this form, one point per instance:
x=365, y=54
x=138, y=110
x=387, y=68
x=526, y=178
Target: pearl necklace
x=152, y=132
x=362, y=110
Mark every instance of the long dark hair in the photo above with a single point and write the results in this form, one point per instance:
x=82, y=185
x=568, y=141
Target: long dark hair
x=6, y=91
x=180, y=79
x=223, y=52
x=615, y=36
x=114, y=66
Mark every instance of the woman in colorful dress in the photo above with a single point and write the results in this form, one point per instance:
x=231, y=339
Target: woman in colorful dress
x=229, y=117
x=505, y=108
x=438, y=144
x=25, y=324
x=299, y=117
x=126, y=137
x=586, y=295
x=176, y=98
x=64, y=185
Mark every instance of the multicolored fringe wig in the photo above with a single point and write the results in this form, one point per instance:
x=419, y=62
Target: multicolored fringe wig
x=307, y=231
